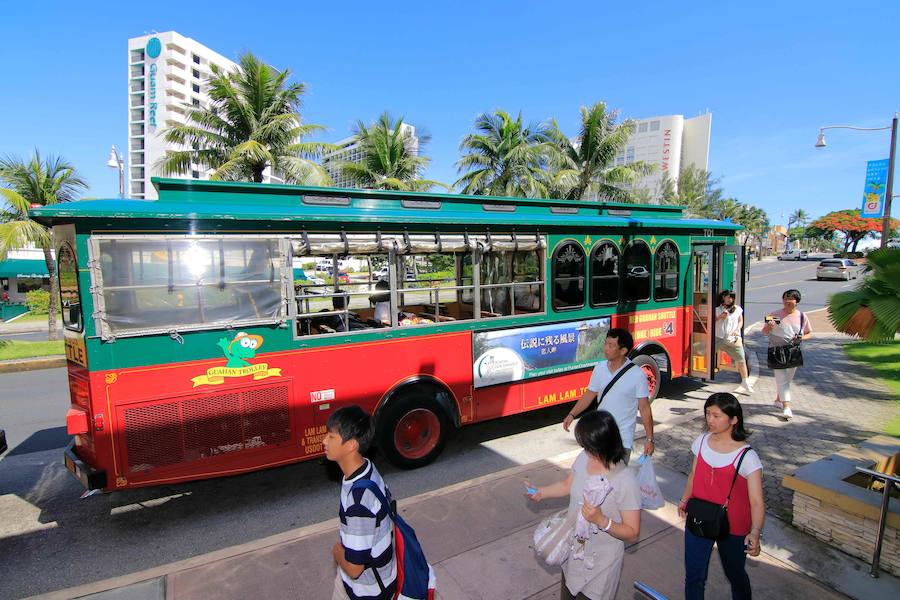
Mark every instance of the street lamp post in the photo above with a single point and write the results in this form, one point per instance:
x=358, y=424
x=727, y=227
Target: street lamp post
x=892, y=157
x=116, y=161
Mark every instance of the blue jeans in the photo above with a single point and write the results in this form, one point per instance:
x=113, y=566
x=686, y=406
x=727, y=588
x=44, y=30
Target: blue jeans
x=697, y=551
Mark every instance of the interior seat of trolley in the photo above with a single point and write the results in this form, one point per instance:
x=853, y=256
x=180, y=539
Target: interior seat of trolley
x=441, y=289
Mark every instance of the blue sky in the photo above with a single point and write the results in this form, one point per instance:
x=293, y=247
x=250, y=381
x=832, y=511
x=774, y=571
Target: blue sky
x=771, y=75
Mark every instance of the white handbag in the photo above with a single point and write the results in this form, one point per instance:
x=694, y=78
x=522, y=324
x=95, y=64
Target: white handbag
x=554, y=537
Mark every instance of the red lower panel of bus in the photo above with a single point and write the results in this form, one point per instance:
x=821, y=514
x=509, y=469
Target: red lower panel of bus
x=187, y=421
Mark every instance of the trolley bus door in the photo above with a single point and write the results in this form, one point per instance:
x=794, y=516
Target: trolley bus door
x=705, y=273
x=732, y=267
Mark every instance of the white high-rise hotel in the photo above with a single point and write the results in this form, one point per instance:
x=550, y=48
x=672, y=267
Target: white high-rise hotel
x=166, y=75
x=670, y=143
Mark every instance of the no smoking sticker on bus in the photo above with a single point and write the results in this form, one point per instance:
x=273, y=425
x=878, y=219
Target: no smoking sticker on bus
x=321, y=395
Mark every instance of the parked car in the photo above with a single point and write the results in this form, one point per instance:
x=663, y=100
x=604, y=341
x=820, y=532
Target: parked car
x=837, y=268
x=638, y=271
x=343, y=277
x=794, y=255
x=383, y=275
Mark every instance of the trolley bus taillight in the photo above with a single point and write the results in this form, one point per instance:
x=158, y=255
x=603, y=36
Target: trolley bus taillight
x=80, y=395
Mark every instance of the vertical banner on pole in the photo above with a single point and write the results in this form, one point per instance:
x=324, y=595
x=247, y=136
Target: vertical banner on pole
x=873, y=194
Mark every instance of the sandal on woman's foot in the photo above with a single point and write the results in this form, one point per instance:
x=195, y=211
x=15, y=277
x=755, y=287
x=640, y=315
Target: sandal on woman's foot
x=779, y=404
x=788, y=413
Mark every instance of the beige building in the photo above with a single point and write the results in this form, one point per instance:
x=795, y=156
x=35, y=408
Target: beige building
x=669, y=143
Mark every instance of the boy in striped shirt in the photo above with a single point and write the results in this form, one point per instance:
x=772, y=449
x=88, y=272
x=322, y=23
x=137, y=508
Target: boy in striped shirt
x=364, y=554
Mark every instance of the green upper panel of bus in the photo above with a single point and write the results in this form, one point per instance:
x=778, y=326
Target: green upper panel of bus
x=187, y=199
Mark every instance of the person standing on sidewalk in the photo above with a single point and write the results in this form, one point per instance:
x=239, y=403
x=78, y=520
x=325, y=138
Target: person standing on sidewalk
x=725, y=470
x=594, y=573
x=786, y=327
x=729, y=322
x=624, y=397
x=364, y=554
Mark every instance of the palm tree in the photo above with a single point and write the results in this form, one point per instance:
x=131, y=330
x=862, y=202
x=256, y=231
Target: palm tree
x=584, y=167
x=38, y=182
x=391, y=158
x=698, y=191
x=252, y=123
x=872, y=310
x=755, y=222
x=504, y=157
x=799, y=216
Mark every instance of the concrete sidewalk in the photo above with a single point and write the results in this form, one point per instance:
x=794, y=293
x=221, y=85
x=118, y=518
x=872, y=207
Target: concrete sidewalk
x=477, y=534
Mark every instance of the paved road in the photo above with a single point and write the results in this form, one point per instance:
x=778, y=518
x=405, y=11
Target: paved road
x=769, y=279
x=29, y=336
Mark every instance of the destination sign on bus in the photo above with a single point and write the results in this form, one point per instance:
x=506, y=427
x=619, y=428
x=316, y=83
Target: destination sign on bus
x=515, y=354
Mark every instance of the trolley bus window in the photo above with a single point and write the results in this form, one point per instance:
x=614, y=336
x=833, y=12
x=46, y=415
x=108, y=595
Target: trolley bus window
x=69, y=297
x=568, y=276
x=173, y=284
x=604, y=274
x=665, y=272
x=637, y=271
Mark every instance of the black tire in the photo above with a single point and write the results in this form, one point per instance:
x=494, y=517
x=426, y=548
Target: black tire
x=818, y=278
x=421, y=406
x=651, y=368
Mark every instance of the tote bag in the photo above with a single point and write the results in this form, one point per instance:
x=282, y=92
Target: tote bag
x=554, y=537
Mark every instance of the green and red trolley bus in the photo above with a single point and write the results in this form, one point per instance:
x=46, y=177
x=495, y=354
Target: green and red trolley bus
x=212, y=332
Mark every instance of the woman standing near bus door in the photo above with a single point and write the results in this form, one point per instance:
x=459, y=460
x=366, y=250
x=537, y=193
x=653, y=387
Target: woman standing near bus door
x=786, y=328
x=729, y=322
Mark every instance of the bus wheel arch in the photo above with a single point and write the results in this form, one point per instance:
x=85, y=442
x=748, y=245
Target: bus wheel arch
x=648, y=356
x=414, y=421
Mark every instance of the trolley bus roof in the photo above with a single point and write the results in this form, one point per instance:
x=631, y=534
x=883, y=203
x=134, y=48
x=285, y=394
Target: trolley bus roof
x=230, y=201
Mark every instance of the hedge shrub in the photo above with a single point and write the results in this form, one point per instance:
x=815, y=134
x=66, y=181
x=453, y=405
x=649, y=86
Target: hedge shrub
x=38, y=302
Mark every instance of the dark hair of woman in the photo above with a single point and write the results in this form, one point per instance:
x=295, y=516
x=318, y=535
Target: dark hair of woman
x=729, y=405
x=795, y=294
x=723, y=294
x=599, y=435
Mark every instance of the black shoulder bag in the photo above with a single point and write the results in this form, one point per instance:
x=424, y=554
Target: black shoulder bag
x=788, y=356
x=710, y=520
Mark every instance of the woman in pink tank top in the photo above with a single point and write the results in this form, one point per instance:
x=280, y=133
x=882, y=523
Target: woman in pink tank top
x=719, y=455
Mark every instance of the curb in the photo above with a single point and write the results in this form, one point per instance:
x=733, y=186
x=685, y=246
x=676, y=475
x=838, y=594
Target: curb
x=32, y=364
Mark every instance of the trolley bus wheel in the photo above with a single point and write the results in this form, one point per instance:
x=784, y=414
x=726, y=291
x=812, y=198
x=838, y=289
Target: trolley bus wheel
x=651, y=370
x=412, y=430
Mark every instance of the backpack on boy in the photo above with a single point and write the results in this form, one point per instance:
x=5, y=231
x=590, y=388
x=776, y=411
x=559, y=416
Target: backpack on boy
x=415, y=577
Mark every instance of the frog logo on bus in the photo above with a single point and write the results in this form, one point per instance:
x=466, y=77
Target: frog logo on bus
x=242, y=347
x=237, y=352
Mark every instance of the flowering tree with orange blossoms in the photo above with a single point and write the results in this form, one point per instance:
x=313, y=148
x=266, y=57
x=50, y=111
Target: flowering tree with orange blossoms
x=851, y=225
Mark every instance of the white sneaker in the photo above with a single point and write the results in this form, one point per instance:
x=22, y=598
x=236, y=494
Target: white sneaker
x=779, y=404
x=788, y=413
x=744, y=389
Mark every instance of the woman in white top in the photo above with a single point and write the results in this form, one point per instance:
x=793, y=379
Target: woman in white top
x=729, y=322
x=785, y=327
x=592, y=570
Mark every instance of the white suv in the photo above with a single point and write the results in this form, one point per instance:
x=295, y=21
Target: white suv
x=794, y=255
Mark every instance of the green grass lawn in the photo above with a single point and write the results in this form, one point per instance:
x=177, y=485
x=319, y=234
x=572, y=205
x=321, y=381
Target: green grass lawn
x=884, y=358
x=10, y=349
x=30, y=318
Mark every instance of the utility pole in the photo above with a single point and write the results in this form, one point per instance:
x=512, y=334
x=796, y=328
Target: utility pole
x=886, y=218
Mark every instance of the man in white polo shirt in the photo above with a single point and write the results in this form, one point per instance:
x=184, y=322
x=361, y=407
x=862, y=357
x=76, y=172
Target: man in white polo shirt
x=627, y=394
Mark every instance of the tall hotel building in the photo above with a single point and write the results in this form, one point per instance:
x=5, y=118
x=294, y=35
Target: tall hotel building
x=670, y=143
x=349, y=150
x=166, y=75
